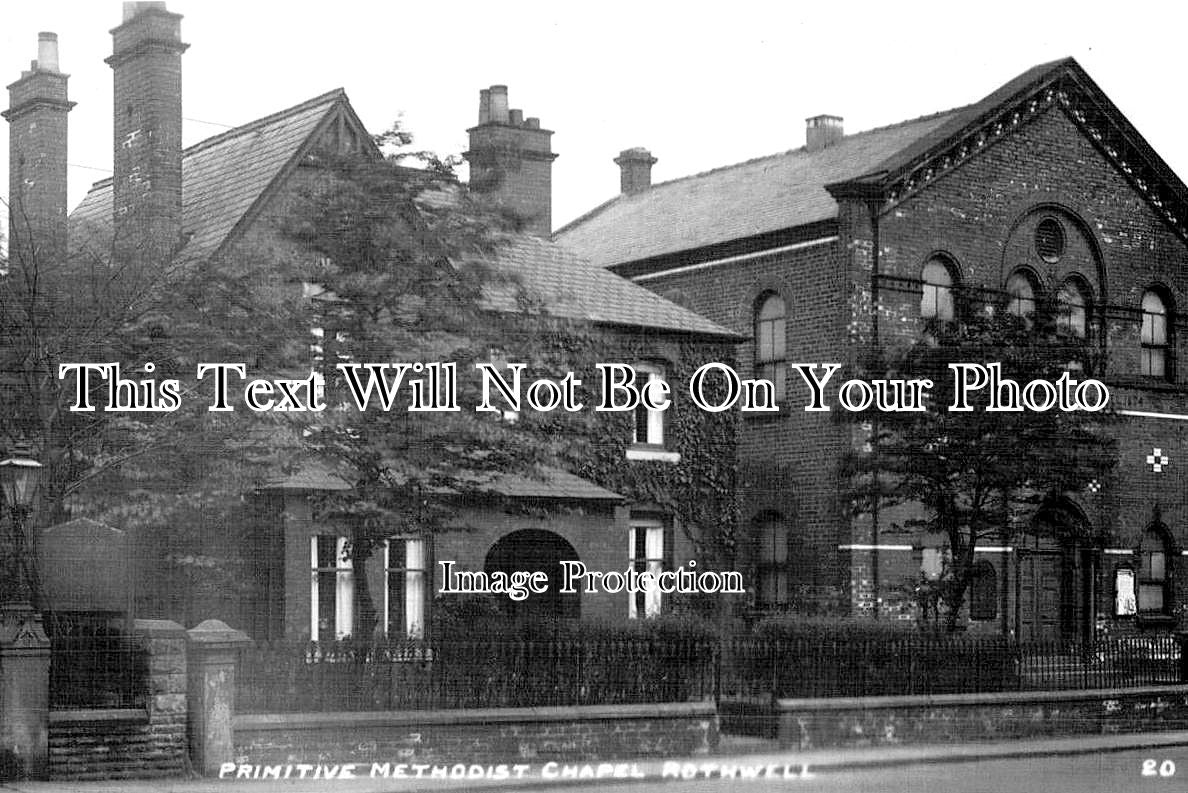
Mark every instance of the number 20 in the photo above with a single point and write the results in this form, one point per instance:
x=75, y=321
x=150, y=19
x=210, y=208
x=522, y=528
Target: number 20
x=1165, y=768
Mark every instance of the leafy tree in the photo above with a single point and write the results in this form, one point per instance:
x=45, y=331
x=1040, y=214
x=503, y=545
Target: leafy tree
x=169, y=477
x=406, y=275
x=392, y=264
x=415, y=268
x=975, y=476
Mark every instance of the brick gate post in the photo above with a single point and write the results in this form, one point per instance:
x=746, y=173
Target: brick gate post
x=24, y=694
x=213, y=654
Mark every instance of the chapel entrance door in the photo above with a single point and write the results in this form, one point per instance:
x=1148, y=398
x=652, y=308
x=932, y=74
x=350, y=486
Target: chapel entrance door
x=1057, y=577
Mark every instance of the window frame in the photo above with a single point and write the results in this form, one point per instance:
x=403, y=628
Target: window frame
x=1078, y=339
x=775, y=567
x=644, y=534
x=771, y=365
x=1015, y=303
x=654, y=446
x=1059, y=237
x=1064, y=309
x=344, y=589
x=930, y=292
x=414, y=592
x=1144, y=574
x=1148, y=346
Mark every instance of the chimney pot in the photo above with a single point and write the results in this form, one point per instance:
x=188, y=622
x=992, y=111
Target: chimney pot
x=511, y=161
x=147, y=162
x=635, y=170
x=47, y=52
x=499, y=112
x=38, y=105
x=134, y=9
x=822, y=131
x=484, y=106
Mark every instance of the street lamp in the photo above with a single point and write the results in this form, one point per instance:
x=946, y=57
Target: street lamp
x=19, y=477
x=24, y=647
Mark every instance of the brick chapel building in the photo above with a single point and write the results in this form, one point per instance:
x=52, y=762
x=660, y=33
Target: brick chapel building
x=1041, y=189
x=227, y=195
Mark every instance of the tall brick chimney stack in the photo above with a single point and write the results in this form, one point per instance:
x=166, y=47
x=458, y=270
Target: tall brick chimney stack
x=147, y=183
x=37, y=108
x=511, y=159
x=822, y=131
x=635, y=170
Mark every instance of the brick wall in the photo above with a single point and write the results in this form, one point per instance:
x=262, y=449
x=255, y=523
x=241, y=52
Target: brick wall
x=479, y=736
x=125, y=744
x=958, y=718
x=982, y=215
x=37, y=168
x=147, y=188
x=776, y=450
x=514, y=164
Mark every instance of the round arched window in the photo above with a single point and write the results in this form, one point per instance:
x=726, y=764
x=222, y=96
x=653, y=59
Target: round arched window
x=1153, y=360
x=1021, y=291
x=771, y=341
x=1049, y=240
x=936, y=291
x=1072, y=317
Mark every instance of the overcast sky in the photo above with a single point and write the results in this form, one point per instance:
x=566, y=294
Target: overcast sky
x=702, y=85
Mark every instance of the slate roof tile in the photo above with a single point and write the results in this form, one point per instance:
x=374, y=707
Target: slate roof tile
x=737, y=201
x=552, y=483
x=787, y=190
x=222, y=178
x=569, y=286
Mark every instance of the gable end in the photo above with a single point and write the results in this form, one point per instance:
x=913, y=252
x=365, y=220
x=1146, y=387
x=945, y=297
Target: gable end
x=1067, y=87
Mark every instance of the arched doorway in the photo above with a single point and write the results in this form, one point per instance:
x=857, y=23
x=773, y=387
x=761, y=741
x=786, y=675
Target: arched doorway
x=1057, y=575
x=531, y=550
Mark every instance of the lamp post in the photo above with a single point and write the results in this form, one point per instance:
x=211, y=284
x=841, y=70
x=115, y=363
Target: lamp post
x=24, y=647
x=19, y=477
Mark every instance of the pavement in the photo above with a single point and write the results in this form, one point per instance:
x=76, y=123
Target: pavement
x=736, y=758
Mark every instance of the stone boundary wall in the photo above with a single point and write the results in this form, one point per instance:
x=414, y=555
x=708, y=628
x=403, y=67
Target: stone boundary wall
x=958, y=718
x=130, y=743
x=506, y=735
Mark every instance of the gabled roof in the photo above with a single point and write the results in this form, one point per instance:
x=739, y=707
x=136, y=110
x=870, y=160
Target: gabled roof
x=798, y=187
x=311, y=475
x=550, y=483
x=225, y=178
x=753, y=197
x=566, y=285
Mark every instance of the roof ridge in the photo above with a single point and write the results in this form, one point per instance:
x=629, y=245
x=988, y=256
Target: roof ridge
x=742, y=163
x=335, y=94
x=786, y=152
x=201, y=145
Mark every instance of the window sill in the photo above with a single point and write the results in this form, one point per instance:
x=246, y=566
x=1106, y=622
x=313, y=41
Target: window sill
x=1155, y=621
x=653, y=453
x=1141, y=383
x=764, y=415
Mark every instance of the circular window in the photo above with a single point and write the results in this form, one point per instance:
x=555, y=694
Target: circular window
x=1049, y=240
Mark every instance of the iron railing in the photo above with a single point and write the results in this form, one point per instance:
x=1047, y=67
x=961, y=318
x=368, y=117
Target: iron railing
x=332, y=676
x=833, y=666
x=345, y=676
